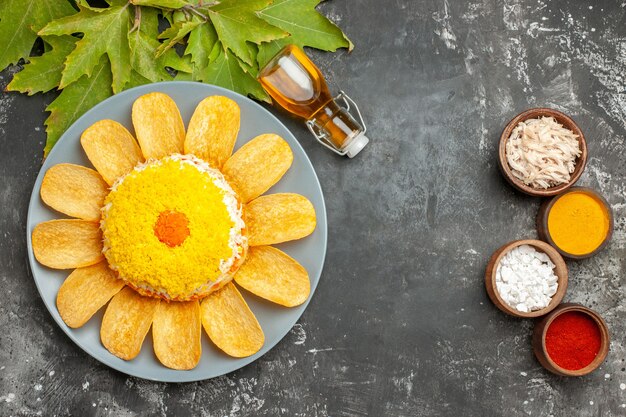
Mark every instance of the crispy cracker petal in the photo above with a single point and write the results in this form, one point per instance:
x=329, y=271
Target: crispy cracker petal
x=258, y=165
x=111, y=149
x=176, y=333
x=74, y=190
x=277, y=218
x=272, y=274
x=64, y=244
x=230, y=323
x=158, y=125
x=213, y=130
x=85, y=291
x=126, y=322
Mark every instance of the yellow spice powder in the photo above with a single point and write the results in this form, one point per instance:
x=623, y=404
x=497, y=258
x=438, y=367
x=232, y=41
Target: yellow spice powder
x=578, y=223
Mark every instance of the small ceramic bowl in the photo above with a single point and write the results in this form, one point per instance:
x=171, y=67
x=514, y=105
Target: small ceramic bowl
x=560, y=271
x=539, y=340
x=544, y=211
x=563, y=119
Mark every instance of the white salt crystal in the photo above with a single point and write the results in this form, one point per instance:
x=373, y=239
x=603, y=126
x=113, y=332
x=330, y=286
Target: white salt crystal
x=525, y=279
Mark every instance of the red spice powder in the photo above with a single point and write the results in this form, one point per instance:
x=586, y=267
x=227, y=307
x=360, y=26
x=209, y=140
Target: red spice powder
x=172, y=228
x=573, y=340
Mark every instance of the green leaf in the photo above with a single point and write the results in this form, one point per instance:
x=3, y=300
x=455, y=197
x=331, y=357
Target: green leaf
x=83, y=4
x=226, y=72
x=116, y=2
x=305, y=25
x=201, y=41
x=236, y=23
x=176, y=62
x=184, y=76
x=251, y=69
x=43, y=73
x=105, y=32
x=175, y=34
x=177, y=16
x=143, y=46
x=20, y=21
x=76, y=99
x=149, y=21
x=161, y=4
x=136, y=80
x=142, y=50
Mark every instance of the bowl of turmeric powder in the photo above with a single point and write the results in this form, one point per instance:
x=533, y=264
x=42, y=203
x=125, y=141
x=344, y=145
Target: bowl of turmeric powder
x=578, y=222
x=542, y=152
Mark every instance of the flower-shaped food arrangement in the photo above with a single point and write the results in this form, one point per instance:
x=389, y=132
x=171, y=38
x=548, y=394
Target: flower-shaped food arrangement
x=166, y=223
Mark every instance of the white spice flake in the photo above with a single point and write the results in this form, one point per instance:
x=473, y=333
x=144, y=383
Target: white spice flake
x=525, y=279
x=622, y=386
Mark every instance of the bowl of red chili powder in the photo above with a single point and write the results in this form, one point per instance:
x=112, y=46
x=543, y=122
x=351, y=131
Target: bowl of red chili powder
x=571, y=341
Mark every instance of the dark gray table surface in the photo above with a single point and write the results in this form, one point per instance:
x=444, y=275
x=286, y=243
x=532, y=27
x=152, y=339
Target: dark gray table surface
x=400, y=324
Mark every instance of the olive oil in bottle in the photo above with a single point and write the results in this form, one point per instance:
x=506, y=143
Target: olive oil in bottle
x=295, y=83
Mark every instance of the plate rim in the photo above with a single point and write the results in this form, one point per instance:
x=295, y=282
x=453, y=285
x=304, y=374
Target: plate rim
x=154, y=87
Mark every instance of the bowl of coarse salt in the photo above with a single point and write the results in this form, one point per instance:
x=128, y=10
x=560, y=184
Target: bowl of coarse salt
x=542, y=152
x=526, y=278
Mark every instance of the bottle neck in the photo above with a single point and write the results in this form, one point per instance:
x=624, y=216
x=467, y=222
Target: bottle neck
x=334, y=124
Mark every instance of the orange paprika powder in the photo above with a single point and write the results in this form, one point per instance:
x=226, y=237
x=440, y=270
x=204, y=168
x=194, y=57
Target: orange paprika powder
x=573, y=340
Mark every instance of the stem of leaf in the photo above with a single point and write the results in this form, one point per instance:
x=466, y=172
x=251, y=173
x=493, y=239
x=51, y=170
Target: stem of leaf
x=190, y=9
x=137, y=19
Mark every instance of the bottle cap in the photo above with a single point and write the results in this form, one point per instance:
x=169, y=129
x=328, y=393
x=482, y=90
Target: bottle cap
x=356, y=145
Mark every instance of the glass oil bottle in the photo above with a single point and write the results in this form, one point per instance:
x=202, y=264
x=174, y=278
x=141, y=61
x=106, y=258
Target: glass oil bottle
x=294, y=82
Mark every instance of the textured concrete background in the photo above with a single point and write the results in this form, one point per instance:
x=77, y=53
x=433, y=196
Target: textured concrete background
x=400, y=324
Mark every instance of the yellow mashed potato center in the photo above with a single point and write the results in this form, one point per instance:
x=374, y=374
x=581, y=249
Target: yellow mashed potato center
x=166, y=228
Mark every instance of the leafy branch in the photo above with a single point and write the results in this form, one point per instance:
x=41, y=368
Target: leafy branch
x=94, y=51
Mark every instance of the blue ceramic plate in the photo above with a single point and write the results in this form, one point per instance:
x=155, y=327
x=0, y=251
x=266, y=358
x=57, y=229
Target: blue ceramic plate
x=275, y=320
